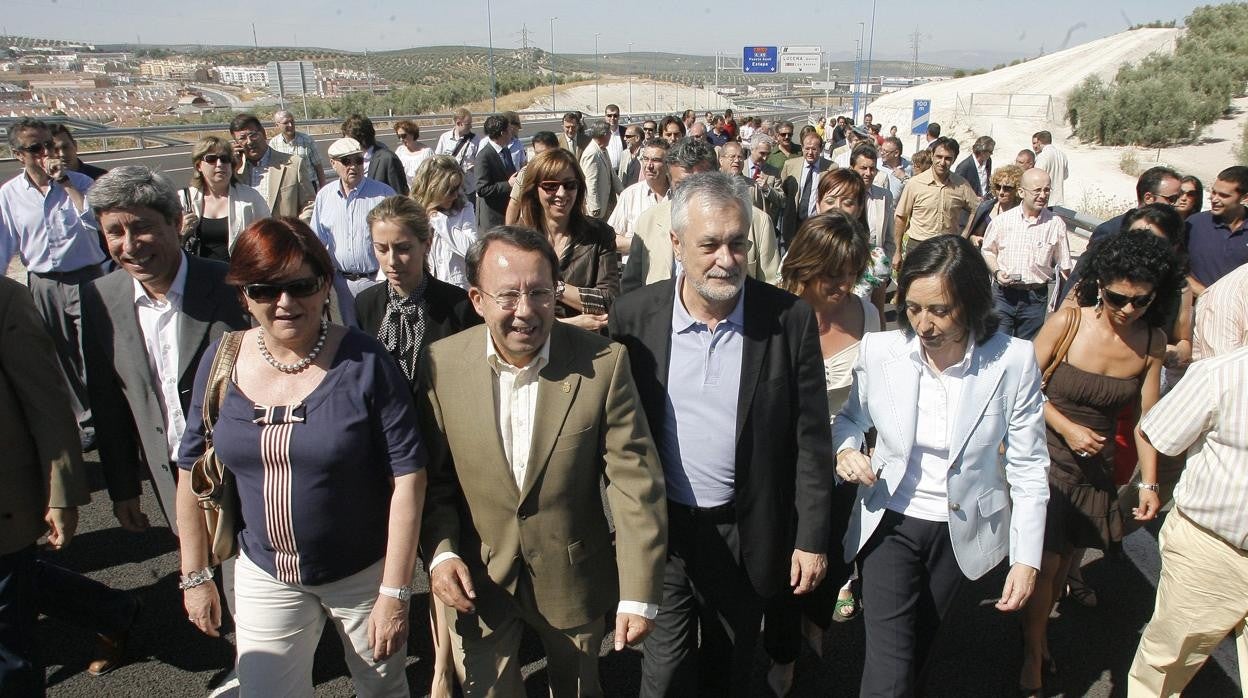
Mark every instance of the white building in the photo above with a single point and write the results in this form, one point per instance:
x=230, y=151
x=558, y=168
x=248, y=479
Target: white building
x=242, y=75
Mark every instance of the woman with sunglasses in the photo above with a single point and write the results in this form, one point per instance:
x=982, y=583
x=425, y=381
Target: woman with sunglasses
x=215, y=207
x=407, y=314
x=317, y=427
x=1115, y=359
x=410, y=150
x=438, y=188
x=552, y=201
x=1004, y=185
x=1191, y=197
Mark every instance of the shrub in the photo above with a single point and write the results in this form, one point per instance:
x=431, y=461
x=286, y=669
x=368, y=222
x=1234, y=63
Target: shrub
x=1241, y=155
x=1129, y=163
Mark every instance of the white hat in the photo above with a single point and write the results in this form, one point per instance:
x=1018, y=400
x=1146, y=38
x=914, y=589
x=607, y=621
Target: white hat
x=343, y=147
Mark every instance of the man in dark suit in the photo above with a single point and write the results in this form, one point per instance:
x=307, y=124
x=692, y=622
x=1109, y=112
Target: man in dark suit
x=730, y=375
x=145, y=327
x=496, y=174
x=799, y=178
x=383, y=165
x=980, y=160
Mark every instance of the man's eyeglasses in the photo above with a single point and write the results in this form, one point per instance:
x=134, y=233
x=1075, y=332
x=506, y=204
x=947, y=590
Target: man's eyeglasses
x=350, y=160
x=1038, y=192
x=37, y=148
x=299, y=288
x=248, y=136
x=551, y=186
x=214, y=158
x=785, y=135
x=1172, y=199
x=1119, y=300
x=510, y=300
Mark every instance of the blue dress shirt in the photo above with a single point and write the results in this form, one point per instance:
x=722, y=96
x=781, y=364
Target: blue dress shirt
x=341, y=222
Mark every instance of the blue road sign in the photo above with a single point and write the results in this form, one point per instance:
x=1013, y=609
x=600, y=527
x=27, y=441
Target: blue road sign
x=922, y=115
x=758, y=59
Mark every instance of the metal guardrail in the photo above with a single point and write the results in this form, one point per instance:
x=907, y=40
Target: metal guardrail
x=1077, y=223
x=163, y=134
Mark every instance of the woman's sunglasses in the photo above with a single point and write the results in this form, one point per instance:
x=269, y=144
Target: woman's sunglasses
x=551, y=186
x=213, y=158
x=299, y=288
x=1119, y=300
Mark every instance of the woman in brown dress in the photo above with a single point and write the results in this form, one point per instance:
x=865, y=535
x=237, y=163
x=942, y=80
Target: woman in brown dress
x=1114, y=359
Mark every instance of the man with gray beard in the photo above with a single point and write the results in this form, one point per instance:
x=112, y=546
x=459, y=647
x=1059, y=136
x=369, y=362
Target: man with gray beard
x=715, y=353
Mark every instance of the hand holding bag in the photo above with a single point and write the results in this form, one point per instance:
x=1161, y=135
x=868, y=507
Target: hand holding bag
x=211, y=482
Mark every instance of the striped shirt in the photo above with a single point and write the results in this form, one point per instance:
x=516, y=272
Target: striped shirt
x=1031, y=246
x=1222, y=316
x=341, y=222
x=1206, y=414
x=305, y=148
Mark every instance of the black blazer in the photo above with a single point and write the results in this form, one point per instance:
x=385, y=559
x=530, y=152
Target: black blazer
x=449, y=310
x=493, y=187
x=385, y=166
x=970, y=173
x=784, y=459
x=128, y=420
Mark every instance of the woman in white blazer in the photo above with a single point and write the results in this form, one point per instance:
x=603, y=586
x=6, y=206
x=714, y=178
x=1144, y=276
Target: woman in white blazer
x=937, y=502
x=216, y=207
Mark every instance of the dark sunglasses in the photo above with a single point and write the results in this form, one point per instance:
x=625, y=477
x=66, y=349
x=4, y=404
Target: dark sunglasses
x=1172, y=199
x=1119, y=300
x=1005, y=188
x=37, y=148
x=350, y=160
x=551, y=186
x=299, y=288
x=213, y=158
x=402, y=135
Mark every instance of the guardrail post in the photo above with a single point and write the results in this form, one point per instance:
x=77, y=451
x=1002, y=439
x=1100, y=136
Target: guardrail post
x=142, y=142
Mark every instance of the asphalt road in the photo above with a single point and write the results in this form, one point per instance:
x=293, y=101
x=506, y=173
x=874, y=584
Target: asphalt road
x=978, y=653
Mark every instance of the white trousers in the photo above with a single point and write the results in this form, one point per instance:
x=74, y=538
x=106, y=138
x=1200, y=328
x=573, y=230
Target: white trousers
x=279, y=625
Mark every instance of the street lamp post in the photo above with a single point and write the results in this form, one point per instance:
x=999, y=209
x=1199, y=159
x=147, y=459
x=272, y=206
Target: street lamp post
x=597, y=76
x=857, y=69
x=630, y=78
x=870, y=49
x=552, y=63
x=489, y=29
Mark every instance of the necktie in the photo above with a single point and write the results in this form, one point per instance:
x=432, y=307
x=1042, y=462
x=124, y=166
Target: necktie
x=508, y=164
x=803, y=205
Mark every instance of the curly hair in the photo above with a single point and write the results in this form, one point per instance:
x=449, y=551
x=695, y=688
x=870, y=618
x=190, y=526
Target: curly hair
x=1133, y=256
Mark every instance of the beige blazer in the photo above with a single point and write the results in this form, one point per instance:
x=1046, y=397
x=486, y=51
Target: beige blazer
x=246, y=205
x=602, y=186
x=652, y=253
x=289, y=193
x=552, y=528
x=42, y=462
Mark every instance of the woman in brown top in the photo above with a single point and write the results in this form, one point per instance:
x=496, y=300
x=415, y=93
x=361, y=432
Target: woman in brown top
x=552, y=201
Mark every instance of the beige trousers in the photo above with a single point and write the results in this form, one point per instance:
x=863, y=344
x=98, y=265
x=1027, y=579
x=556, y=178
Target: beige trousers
x=1202, y=596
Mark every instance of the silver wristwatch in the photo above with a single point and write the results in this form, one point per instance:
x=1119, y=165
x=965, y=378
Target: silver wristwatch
x=1147, y=486
x=195, y=579
x=402, y=593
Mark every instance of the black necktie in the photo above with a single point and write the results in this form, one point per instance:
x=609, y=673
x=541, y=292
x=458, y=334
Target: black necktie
x=508, y=163
x=803, y=205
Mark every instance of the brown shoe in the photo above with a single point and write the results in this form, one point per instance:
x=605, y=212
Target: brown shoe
x=110, y=650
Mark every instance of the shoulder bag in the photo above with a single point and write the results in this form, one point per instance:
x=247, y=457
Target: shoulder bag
x=211, y=482
x=1071, y=318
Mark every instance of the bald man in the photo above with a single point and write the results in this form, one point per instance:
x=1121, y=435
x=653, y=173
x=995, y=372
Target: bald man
x=1026, y=247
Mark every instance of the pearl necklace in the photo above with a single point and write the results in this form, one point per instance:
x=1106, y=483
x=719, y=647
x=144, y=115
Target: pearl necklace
x=299, y=365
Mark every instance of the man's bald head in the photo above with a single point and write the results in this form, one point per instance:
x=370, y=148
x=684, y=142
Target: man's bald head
x=1036, y=186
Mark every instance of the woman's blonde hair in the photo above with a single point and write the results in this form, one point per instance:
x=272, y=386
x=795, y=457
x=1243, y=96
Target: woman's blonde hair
x=206, y=145
x=437, y=178
x=404, y=212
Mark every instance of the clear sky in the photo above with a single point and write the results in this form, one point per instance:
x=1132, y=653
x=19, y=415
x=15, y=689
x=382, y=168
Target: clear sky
x=690, y=26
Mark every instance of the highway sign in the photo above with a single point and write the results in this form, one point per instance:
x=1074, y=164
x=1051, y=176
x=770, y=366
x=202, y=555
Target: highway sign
x=758, y=59
x=922, y=115
x=801, y=59
x=823, y=85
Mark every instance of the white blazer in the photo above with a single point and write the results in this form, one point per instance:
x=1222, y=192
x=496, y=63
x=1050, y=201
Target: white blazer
x=994, y=506
x=246, y=205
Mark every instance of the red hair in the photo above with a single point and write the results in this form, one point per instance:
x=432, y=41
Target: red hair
x=273, y=248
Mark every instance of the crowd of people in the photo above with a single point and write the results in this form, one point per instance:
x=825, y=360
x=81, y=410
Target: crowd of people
x=634, y=378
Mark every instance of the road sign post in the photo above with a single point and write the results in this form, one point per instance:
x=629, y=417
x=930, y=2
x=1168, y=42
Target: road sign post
x=801, y=59
x=758, y=59
x=920, y=118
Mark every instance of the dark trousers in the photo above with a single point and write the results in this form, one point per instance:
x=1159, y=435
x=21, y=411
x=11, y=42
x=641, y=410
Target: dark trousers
x=1021, y=309
x=81, y=601
x=56, y=297
x=909, y=579
x=704, y=586
x=21, y=674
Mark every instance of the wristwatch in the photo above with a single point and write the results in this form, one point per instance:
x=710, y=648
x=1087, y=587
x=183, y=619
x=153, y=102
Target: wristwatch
x=559, y=287
x=402, y=593
x=1153, y=487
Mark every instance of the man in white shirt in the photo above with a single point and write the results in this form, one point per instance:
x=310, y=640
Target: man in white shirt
x=615, y=146
x=533, y=548
x=43, y=209
x=894, y=169
x=1052, y=161
x=461, y=143
x=639, y=197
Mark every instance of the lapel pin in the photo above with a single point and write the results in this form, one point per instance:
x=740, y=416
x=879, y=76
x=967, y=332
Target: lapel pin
x=567, y=387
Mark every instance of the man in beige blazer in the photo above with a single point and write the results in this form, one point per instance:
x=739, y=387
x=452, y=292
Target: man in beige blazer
x=650, y=256
x=602, y=186
x=278, y=176
x=44, y=481
x=525, y=416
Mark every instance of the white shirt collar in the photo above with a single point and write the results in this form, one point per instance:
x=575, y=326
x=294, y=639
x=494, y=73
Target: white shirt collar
x=176, y=290
x=499, y=364
x=915, y=349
